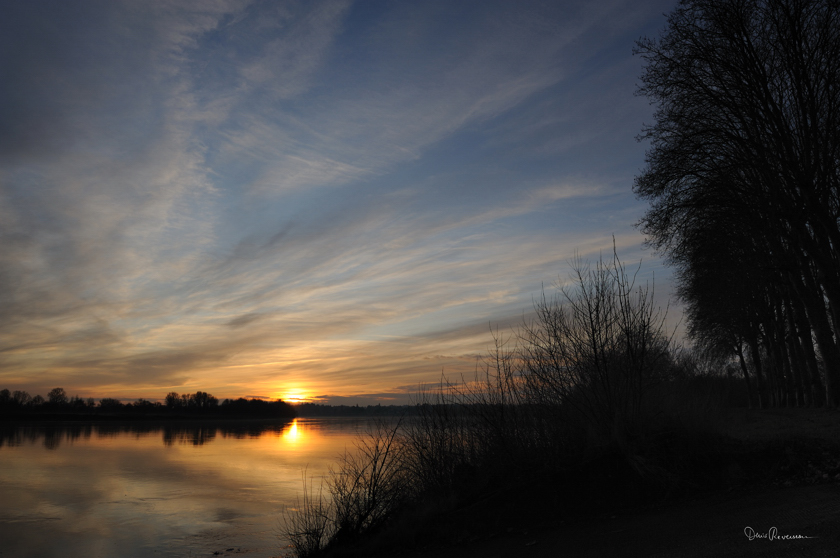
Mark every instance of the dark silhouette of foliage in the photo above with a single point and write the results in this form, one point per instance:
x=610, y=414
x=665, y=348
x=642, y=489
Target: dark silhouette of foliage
x=744, y=185
x=203, y=400
x=57, y=396
x=598, y=347
x=320, y=410
x=109, y=403
x=199, y=404
x=172, y=400
x=257, y=408
x=589, y=401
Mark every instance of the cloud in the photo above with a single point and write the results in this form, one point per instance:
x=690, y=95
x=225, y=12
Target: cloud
x=232, y=195
x=288, y=63
x=243, y=320
x=401, y=96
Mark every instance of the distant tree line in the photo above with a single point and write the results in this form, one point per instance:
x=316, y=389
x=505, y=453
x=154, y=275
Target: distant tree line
x=56, y=398
x=321, y=410
x=743, y=178
x=200, y=403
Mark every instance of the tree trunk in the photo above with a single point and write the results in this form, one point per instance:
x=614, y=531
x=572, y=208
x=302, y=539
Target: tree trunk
x=740, y=352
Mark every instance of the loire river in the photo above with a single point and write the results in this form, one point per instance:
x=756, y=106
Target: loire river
x=197, y=489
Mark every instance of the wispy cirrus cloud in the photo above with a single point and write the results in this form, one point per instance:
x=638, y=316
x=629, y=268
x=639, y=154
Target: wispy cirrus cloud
x=244, y=193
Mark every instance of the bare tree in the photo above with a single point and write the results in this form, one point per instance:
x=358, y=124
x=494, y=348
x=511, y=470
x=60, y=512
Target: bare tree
x=172, y=400
x=597, y=347
x=57, y=396
x=746, y=146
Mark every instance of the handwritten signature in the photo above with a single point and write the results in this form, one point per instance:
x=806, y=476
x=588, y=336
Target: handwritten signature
x=772, y=535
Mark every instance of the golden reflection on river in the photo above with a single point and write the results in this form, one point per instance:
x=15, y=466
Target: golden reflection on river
x=167, y=490
x=293, y=436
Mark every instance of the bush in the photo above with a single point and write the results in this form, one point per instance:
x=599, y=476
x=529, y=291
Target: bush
x=596, y=349
x=590, y=397
x=367, y=489
x=310, y=528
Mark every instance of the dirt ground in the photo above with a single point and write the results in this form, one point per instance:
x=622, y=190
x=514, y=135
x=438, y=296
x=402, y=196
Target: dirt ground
x=712, y=526
x=770, y=424
x=787, y=519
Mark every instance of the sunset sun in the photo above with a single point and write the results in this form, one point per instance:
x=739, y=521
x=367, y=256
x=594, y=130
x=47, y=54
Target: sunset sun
x=294, y=396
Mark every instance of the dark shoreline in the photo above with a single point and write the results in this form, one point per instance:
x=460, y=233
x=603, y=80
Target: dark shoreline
x=753, y=456
x=66, y=418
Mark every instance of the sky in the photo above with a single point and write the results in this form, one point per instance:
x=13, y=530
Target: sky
x=330, y=200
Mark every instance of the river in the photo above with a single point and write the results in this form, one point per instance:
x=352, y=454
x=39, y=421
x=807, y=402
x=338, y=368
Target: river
x=133, y=489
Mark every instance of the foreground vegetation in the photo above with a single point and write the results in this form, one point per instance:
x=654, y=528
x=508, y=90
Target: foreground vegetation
x=586, y=408
x=590, y=404
x=744, y=186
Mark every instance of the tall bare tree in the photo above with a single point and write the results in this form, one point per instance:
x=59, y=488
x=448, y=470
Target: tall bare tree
x=746, y=145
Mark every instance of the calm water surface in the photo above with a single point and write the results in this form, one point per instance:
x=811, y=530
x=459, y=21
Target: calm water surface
x=145, y=490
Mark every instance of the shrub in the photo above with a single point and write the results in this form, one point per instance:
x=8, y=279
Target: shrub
x=590, y=395
x=367, y=489
x=596, y=349
x=310, y=527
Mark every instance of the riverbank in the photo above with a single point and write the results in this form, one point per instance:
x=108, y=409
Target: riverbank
x=779, y=469
x=713, y=525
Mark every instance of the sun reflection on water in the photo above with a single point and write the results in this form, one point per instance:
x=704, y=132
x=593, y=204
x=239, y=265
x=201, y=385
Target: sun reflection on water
x=292, y=435
x=174, y=479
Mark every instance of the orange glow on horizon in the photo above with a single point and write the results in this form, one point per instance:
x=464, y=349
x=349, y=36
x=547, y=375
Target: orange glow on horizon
x=294, y=395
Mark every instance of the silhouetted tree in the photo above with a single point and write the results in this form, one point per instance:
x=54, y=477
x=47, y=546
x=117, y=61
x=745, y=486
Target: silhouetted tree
x=744, y=159
x=172, y=400
x=57, y=396
x=598, y=346
x=78, y=403
x=203, y=400
x=109, y=403
x=145, y=406
x=23, y=398
x=257, y=408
